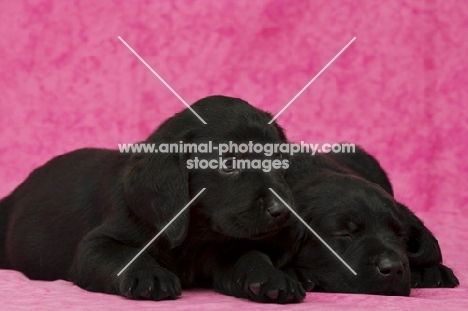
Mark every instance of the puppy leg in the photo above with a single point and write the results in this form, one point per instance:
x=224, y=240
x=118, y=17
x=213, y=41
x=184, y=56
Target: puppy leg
x=254, y=277
x=436, y=275
x=304, y=276
x=98, y=260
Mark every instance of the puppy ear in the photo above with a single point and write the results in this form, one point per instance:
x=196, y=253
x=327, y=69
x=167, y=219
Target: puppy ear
x=423, y=248
x=156, y=187
x=366, y=166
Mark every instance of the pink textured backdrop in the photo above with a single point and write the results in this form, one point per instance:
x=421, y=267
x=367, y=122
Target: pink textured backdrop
x=67, y=82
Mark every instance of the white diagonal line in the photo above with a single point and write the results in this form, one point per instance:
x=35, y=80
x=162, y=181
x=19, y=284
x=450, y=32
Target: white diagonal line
x=161, y=79
x=315, y=233
x=160, y=232
x=313, y=79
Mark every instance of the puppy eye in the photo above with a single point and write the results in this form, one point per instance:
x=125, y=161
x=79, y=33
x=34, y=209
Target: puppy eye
x=343, y=234
x=228, y=165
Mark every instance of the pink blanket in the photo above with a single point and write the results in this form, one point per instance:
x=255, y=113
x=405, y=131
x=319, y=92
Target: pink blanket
x=399, y=90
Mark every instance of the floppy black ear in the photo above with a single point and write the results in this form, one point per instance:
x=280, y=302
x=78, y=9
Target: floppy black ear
x=367, y=166
x=423, y=248
x=156, y=187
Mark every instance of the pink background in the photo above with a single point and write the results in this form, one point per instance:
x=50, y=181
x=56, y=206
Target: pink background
x=399, y=90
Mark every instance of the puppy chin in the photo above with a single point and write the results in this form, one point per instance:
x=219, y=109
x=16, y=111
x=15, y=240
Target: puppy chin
x=400, y=289
x=261, y=235
x=250, y=227
x=271, y=229
x=403, y=290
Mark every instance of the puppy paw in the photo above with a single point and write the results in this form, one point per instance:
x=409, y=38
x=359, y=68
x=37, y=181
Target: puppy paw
x=433, y=276
x=304, y=276
x=155, y=283
x=270, y=285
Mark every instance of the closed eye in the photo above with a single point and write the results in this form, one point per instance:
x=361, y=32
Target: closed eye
x=349, y=230
x=342, y=234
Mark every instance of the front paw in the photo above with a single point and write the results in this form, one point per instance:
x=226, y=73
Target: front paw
x=155, y=283
x=304, y=276
x=433, y=276
x=270, y=285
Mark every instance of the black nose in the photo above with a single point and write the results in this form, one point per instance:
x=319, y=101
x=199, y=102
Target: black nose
x=390, y=268
x=277, y=210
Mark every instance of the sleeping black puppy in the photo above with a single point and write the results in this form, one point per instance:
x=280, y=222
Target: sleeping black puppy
x=348, y=200
x=84, y=215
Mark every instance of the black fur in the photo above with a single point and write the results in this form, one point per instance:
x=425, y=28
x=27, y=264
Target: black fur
x=83, y=215
x=207, y=259
x=348, y=199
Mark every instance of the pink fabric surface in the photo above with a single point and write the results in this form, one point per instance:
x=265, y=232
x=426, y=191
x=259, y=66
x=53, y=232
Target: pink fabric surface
x=399, y=90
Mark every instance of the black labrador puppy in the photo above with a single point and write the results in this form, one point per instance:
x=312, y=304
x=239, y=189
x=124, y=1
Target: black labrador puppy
x=84, y=215
x=348, y=200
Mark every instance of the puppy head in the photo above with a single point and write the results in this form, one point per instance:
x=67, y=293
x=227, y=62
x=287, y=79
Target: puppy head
x=236, y=202
x=423, y=248
x=364, y=225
